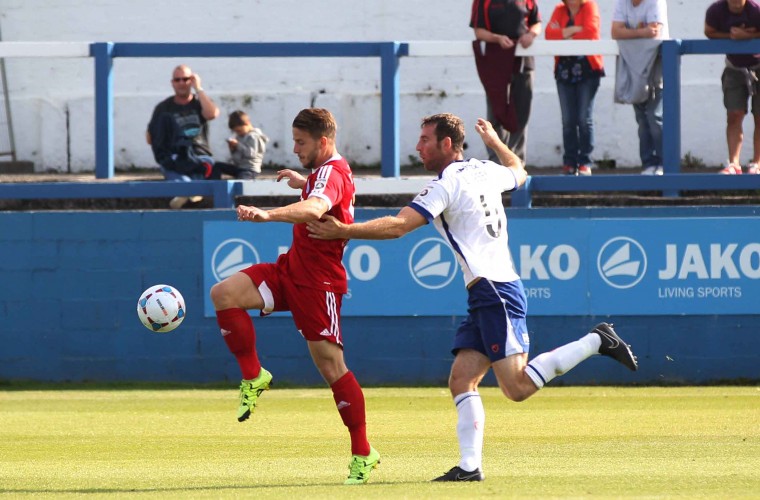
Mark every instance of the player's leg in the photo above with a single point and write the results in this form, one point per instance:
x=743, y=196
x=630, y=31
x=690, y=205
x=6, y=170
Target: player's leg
x=469, y=367
x=514, y=373
x=317, y=316
x=231, y=298
x=519, y=379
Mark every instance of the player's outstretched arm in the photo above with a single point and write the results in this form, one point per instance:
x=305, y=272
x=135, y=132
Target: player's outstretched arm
x=384, y=228
x=252, y=214
x=295, y=180
x=310, y=209
x=506, y=156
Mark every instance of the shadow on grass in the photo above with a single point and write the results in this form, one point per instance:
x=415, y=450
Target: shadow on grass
x=193, y=489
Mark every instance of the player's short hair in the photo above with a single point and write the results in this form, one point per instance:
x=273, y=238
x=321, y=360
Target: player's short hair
x=238, y=119
x=317, y=122
x=447, y=125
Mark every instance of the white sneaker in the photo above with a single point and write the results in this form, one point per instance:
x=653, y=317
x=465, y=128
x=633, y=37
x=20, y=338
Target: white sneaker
x=753, y=168
x=652, y=170
x=178, y=202
x=731, y=169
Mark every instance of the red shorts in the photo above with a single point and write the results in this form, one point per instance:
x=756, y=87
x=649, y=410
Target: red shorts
x=316, y=313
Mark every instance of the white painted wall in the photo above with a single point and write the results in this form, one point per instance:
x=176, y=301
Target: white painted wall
x=52, y=99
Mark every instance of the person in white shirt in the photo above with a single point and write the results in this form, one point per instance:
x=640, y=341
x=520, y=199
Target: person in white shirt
x=464, y=203
x=634, y=19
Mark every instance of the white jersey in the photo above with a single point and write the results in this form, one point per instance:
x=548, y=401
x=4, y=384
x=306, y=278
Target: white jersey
x=648, y=11
x=464, y=204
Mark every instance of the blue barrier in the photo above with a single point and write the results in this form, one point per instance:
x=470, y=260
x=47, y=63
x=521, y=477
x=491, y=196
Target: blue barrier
x=388, y=52
x=223, y=192
x=71, y=283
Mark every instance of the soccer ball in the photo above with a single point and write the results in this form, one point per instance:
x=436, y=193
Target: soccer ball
x=161, y=308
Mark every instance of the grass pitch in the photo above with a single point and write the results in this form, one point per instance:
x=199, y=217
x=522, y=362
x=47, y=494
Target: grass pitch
x=563, y=442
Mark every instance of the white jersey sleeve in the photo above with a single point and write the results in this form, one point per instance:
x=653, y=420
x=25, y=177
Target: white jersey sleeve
x=464, y=203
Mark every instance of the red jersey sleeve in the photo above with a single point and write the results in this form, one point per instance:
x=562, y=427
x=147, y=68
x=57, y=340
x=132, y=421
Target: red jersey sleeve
x=329, y=185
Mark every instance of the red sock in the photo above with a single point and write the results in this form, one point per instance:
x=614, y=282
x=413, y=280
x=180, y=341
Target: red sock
x=240, y=336
x=349, y=398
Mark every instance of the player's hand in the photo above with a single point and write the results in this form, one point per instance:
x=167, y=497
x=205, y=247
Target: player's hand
x=232, y=143
x=327, y=228
x=252, y=214
x=487, y=133
x=295, y=180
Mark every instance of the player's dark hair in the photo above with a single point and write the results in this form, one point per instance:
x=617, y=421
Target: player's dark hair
x=238, y=119
x=447, y=125
x=317, y=122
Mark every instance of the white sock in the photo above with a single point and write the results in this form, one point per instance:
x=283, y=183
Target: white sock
x=561, y=360
x=470, y=424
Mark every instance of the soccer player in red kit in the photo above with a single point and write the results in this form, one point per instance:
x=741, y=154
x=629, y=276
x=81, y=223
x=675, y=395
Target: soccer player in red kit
x=309, y=281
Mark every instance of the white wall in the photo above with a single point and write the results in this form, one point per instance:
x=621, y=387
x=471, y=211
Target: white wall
x=52, y=100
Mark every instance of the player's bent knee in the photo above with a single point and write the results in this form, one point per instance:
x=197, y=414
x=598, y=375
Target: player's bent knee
x=516, y=393
x=221, y=296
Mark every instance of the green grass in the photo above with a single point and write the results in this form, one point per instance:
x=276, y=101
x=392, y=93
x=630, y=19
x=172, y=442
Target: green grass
x=564, y=442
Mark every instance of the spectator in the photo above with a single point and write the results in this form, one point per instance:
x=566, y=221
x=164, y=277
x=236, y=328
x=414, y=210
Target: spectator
x=247, y=147
x=577, y=81
x=501, y=24
x=645, y=19
x=738, y=20
x=178, y=132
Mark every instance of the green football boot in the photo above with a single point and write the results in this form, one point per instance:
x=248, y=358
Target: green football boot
x=359, y=467
x=250, y=390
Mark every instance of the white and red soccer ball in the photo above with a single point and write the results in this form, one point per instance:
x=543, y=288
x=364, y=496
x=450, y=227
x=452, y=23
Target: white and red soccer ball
x=161, y=308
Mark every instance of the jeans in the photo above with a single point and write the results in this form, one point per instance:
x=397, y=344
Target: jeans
x=576, y=101
x=649, y=118
x=171, y=175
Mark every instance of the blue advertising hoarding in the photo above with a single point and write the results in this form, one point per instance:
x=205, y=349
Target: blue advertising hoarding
x=569, y=266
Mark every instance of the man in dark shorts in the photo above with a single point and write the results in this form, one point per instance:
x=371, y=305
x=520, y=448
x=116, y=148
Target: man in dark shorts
x=738, y=20
x=464, y=203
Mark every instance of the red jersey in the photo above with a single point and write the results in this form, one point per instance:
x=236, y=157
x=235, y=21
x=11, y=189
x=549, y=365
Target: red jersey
x=319, y=263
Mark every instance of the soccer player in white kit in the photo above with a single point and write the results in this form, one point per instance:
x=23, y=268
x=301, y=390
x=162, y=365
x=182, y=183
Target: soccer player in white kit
x=464, y=204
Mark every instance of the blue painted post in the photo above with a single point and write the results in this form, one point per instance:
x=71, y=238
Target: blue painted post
x=523, y=197
x=389, y=89
x=671, y=112
x=225, y=192
x=103, y=54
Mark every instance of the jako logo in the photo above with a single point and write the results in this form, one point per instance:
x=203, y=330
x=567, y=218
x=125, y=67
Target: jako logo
x=622, y=262
x=432, y=263
x=231, y=256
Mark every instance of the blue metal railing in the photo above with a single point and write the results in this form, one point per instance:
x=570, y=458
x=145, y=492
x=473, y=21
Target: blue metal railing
x=390, y=54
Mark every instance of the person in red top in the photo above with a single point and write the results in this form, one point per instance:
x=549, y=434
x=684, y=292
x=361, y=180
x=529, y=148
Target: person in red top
x=309, y=280
x=577, y=81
